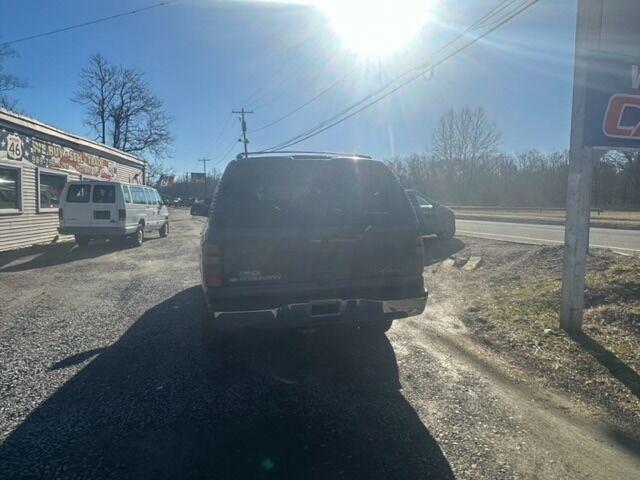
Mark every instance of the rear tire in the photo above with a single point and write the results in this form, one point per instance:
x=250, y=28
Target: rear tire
x=138, y=237
x=377, y=326
x=82, y=240
x=164, y=230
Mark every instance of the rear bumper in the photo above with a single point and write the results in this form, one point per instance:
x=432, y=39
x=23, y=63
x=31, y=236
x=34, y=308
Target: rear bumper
x=318, y=313
x=97, y=231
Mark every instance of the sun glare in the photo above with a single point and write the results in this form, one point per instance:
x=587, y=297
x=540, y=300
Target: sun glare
x=376, y=27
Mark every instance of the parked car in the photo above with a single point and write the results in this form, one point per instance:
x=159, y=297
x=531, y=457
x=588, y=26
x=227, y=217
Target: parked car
x=95, y=209
x=201, y=209
x=434, y=219
x=307, y=241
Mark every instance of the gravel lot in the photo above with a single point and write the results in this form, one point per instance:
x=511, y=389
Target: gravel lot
x=102, y=375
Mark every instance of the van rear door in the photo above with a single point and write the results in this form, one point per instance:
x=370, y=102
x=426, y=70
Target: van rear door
x=104, y=209
x=77, y=205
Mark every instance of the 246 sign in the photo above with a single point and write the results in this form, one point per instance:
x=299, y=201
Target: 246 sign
x=612, y=110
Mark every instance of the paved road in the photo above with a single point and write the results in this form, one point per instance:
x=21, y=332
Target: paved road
x=624, y=241
x=103, y=375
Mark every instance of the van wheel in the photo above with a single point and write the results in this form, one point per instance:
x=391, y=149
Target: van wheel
x=377, y=326
x=164, y=231
x=138, y=237
x=82, y=240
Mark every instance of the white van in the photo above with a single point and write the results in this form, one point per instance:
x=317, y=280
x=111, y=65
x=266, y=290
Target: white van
x=96, y=209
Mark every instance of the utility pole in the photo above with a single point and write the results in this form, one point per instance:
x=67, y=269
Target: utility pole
x=581, y=161
x=204, y=164
x=243, y=140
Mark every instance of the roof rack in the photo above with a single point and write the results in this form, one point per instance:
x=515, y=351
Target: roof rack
x=304, y=154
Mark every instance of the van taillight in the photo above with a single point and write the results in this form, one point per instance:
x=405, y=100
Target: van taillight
x=60, y=215
x=122, y=214
x=212, y=265
x=419, y=255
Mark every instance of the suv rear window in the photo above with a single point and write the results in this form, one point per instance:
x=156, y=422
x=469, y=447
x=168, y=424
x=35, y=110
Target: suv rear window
x=79, y=193
x=104, y=194
x=283, y=192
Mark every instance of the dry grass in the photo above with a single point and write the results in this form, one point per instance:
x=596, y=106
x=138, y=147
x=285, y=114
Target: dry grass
x=514, y=310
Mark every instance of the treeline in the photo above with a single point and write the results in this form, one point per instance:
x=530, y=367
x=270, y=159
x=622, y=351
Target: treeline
x=466, y=167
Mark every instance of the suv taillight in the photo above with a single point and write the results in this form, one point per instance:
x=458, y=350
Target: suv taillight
x=60, y=215
x=212, y=265
x=419, y=255
x=122, y=214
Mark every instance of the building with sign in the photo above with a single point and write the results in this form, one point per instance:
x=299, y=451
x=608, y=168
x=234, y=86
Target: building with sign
x=36, y=160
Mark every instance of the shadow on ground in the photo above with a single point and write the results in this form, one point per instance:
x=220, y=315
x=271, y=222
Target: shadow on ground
x=42, y=256
x=436, y=250
x=620, y=370
x=152, y=406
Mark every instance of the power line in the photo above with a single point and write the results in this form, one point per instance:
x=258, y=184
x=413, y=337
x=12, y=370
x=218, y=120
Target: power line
x=308, y=102
x=345, y=115
x=473, y=26
x=90, y=22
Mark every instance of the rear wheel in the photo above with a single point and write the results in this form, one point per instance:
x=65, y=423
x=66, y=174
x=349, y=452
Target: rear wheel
x=82, y=240
x=164, y=230
x=138, y=237
x=377, y=326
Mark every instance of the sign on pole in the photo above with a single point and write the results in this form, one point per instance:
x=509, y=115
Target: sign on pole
x=197, y=177
x=605, y=115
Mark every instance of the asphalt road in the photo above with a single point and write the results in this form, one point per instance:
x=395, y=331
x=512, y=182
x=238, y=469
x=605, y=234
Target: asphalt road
x=103, y=375
x=623, y=241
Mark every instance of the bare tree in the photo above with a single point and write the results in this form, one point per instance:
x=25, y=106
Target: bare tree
x=97, y=91
x=122, y=110
x=8, y=82
x=463, y=140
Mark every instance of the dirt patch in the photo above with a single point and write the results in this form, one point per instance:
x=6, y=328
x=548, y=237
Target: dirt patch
x=511, y=302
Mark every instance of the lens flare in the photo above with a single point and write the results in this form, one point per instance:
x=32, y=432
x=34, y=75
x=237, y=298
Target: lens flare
x=376, y=27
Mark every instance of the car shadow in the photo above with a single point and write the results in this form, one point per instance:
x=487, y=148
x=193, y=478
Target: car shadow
x=620, y=370
x=437, y=250
x=42, y=256
x=153, y=405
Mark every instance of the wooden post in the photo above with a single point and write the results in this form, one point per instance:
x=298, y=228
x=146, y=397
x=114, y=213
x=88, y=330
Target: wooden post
x=576, y=234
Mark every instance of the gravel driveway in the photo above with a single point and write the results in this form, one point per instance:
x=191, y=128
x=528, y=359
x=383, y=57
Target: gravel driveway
x=102, y=375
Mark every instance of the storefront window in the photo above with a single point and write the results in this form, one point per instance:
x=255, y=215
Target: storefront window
x=50, y=188
x=9, y=189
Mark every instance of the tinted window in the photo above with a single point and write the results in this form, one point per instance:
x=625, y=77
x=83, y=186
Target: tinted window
x=309, y=192
x=126, y=194
x=9, y=189
x=51, y=189
x=158, y=197
x=137, y=193
x=79, y=193
x=104, y=194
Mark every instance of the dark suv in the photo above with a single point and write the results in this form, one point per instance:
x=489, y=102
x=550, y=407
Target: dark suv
x=298, y=241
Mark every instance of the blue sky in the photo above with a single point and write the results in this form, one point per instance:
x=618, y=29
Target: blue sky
x=207, y=57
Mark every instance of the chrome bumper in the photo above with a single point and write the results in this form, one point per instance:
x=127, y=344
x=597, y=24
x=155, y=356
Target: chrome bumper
x=406, y=307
